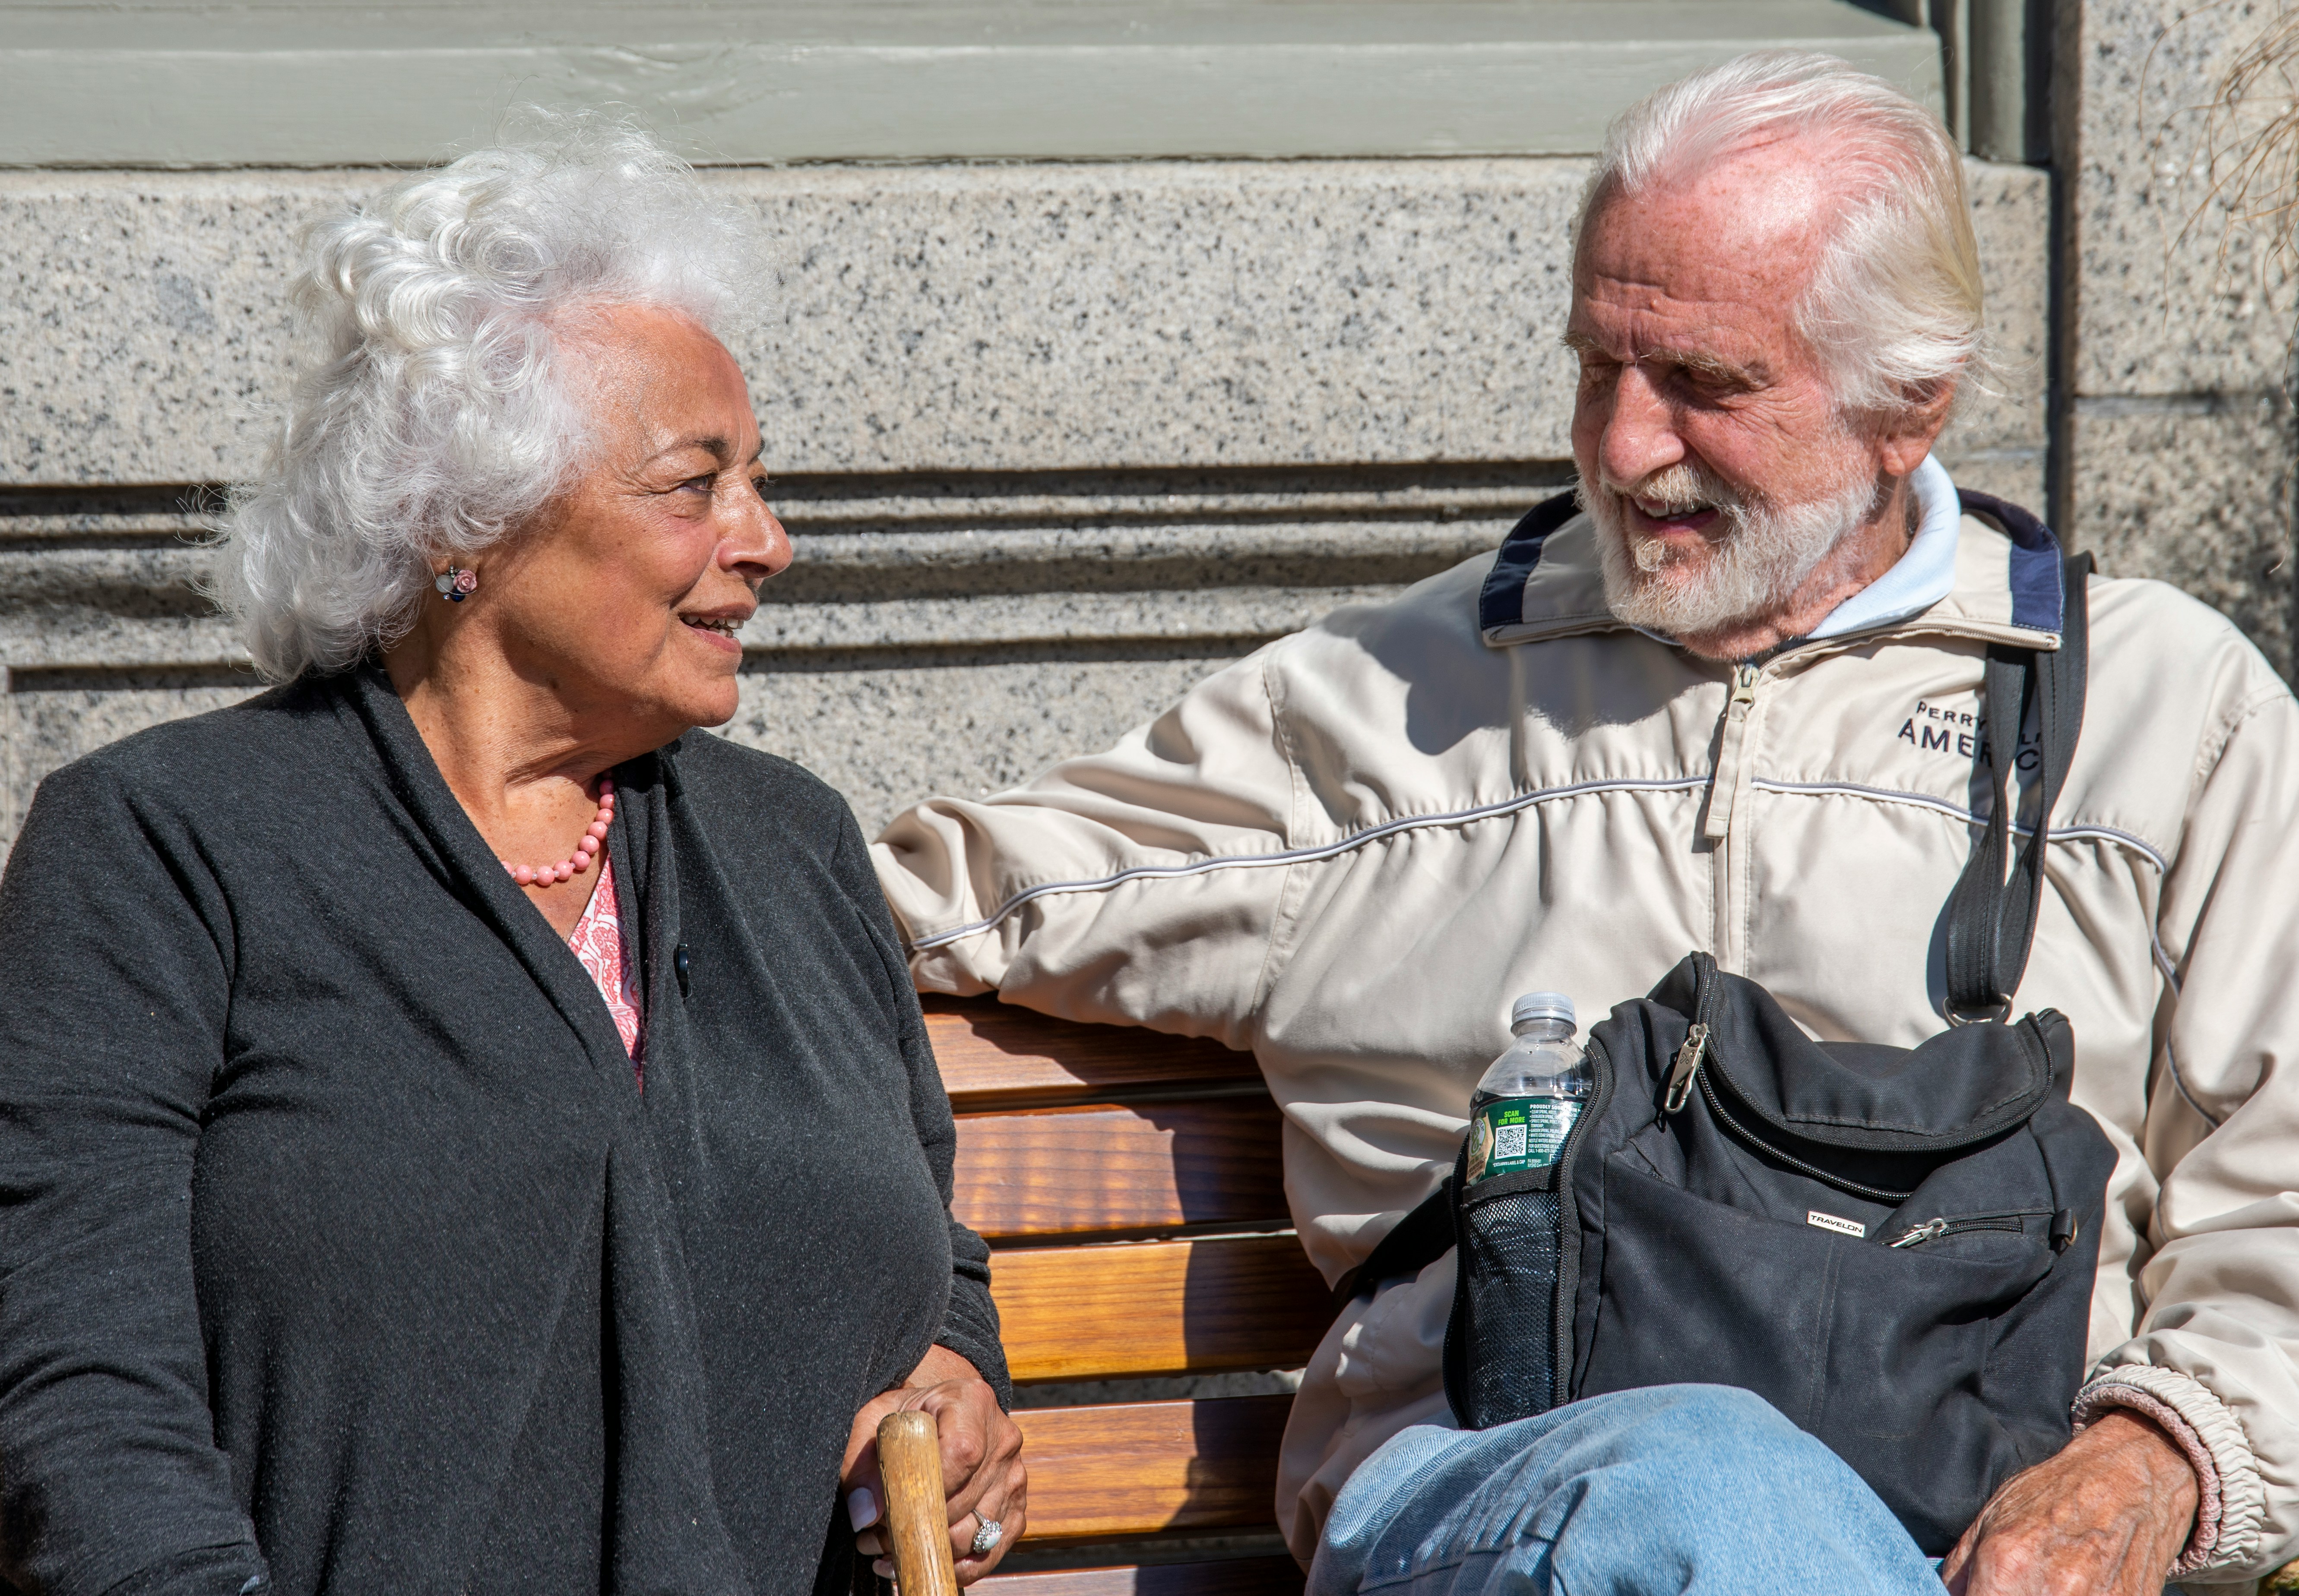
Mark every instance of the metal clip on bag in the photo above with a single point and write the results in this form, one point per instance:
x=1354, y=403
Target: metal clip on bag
x=1894, y=1246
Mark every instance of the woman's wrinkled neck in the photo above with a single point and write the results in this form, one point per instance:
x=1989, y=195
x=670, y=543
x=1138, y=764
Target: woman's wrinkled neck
x=501, y=737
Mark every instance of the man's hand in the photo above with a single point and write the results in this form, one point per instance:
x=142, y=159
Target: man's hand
x=981, y=1460
x=2107, y=1516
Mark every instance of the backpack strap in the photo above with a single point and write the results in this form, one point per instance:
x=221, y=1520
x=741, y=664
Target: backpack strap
x=1413, y=1244
x=1991, y=919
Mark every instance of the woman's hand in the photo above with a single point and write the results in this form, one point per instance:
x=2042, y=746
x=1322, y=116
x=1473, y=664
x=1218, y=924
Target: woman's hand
x=981, y=1467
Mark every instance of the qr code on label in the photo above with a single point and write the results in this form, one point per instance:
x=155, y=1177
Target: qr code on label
x=1508, y=1141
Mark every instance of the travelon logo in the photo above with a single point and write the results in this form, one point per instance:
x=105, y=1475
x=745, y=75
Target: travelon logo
x=1937, y=728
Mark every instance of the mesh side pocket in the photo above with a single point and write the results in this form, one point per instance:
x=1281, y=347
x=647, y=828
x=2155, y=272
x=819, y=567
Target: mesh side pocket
x=1511, y=1282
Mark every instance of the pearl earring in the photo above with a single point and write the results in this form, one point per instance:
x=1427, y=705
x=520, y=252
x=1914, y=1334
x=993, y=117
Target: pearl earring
x=456, y=583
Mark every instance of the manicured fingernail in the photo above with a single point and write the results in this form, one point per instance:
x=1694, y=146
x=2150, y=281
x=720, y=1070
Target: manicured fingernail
x=884, y=1568
x=861, y=1508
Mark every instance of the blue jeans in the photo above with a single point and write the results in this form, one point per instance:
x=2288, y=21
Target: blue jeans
x=1654, y=1493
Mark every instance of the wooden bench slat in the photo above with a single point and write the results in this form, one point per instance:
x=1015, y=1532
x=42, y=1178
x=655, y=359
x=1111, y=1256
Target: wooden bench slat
x=1070, y=1131
x=994, y=1055
x=1237, y=1576
x=1144, y=1309
x=1137, y=1468
x=1118, y=1168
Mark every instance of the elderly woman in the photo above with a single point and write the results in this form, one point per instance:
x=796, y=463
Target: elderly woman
x=466, y=1130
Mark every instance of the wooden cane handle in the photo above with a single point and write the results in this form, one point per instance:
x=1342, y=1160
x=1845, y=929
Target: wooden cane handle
x=917, y=1510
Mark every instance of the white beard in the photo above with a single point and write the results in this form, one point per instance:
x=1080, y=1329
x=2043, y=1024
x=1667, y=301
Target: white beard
x=1766, y=554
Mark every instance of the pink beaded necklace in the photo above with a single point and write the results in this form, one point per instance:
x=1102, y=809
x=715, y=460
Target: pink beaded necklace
x=594, y=839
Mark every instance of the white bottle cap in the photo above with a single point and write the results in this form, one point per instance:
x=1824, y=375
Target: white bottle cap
x=1540, y=1005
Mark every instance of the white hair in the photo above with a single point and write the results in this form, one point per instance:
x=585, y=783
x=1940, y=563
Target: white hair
x=1894, y=307
x=438, y=402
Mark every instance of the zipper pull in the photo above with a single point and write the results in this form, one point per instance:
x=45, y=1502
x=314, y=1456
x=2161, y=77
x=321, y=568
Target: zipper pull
x=1921, y=1233
x=1688, y=1064
x=1725, y=784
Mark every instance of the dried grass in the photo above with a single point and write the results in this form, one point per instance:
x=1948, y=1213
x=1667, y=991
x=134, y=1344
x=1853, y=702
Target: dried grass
x=2248, y=158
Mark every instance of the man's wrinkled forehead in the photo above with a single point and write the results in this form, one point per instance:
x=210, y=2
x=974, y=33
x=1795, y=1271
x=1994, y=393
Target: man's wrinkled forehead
x=1727, y=327
x=1706, y=259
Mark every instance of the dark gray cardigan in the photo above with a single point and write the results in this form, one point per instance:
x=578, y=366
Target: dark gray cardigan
x=338, y=1242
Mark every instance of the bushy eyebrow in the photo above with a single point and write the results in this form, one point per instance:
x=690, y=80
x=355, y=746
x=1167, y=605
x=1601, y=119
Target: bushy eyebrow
x=1697, y=360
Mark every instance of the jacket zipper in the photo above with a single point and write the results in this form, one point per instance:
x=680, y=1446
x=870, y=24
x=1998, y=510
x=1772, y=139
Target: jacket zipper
x=1727, y=801
x=1723, y=787
x=1933, y=1230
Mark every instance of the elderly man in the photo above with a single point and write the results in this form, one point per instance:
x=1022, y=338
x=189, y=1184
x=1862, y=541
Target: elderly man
x=1728, y=706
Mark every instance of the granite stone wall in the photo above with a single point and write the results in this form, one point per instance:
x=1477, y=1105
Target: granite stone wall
x=2176, y=318
x=1053, y=440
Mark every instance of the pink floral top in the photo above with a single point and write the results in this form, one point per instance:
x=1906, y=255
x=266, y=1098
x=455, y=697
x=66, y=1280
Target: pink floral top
x=598, y=942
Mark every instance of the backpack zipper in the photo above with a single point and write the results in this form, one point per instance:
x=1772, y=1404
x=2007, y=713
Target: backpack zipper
x=1687, y=1062
x=1694, y=1051
x=1932, y=1230
x=1874, y=1194
x=1691, y=1067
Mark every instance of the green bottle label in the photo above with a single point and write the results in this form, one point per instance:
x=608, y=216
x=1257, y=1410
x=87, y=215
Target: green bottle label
x=1519, y=1133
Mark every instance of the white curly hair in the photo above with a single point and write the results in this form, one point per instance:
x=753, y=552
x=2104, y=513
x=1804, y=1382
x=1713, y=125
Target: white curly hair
x=1895, y=306
x=432, y=410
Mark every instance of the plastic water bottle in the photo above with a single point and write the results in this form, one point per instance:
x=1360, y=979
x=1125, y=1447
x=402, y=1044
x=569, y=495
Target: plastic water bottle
x=1526, y=1103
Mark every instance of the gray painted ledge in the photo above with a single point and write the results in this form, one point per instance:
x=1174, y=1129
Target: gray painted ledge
x=321, y=84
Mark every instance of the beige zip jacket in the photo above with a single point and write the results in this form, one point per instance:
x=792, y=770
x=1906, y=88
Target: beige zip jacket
x=1348, y=852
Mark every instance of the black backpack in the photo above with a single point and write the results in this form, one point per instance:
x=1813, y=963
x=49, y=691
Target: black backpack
x=1893, y=1246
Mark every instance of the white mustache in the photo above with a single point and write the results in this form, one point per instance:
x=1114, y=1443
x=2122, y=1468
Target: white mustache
x=1678, y=490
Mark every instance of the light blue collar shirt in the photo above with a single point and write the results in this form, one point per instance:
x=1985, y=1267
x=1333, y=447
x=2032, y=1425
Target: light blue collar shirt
x=1923, y=575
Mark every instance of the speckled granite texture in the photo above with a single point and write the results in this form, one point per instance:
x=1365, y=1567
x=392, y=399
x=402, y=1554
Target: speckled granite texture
x=1054, y=438
x=2199, y=499
x=2179, y=439
x=2173, y=293
x=953, y=317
